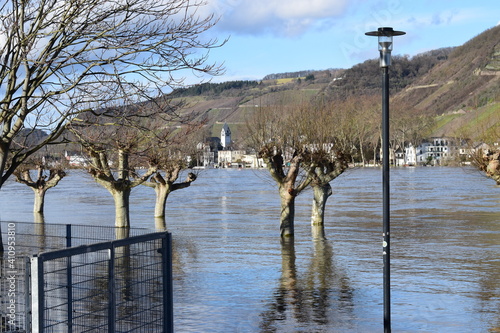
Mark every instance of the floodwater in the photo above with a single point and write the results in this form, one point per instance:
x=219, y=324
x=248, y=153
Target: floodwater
x=232, y=273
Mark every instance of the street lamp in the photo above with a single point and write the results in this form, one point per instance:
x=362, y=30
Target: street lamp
x=385, y=47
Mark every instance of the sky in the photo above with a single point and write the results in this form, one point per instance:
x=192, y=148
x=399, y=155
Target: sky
x=276, y=36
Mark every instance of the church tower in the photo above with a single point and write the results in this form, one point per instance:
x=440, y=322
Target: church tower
x=225, y=136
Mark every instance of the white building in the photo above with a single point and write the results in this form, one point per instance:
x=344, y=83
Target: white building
x=410, y=155
x=435, y=151
x=76, y=160
x=225, y=136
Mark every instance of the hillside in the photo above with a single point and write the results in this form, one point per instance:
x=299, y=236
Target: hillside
x=460, y=86
x=468, y=79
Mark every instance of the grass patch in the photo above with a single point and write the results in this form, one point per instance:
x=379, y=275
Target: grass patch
x=441, y=121
x=485, y=124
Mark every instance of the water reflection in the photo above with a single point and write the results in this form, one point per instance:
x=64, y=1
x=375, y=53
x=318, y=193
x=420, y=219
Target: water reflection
x=319, y=297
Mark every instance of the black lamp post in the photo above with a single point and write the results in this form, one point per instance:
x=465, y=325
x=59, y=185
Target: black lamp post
x=385, y=47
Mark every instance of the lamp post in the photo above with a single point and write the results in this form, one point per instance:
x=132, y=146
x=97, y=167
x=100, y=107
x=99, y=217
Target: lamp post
x=385, y=47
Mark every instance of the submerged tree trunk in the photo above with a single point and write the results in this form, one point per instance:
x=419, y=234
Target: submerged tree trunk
x=119, y=187
x=321, y=193
x=287, y=217
x=322, y=172
x=289, y=186
x=122, y=207
x=40, y=185
x=160, y=224
x=164, y=185
x=39, y=200
x=318, y=231
x=162, y=193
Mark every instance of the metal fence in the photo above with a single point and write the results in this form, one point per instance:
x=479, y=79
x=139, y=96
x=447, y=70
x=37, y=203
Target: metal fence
x=122, y=285
x=118, y=286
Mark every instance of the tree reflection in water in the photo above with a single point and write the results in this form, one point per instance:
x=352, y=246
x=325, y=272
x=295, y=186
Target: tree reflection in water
x=319, y=296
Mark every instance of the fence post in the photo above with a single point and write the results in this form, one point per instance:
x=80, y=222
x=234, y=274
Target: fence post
x=168, y=304
x=37, y=294
x=68, y=235
x=111, y=290
x=69, y=281
x=27, y=295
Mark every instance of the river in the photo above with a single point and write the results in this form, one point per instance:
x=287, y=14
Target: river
x=232, y=273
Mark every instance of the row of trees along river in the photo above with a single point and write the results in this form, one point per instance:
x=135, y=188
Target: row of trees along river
x=303, y=147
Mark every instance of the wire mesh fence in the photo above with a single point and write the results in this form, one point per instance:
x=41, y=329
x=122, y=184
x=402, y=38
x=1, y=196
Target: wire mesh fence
x=117, y=286
x=78, y=287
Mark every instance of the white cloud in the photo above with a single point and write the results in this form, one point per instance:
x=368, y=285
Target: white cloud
x=279, y=17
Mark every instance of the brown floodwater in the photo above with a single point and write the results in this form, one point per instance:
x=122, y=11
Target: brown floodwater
x=232, y=273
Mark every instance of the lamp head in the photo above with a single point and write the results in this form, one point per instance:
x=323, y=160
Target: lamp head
x=385, y=43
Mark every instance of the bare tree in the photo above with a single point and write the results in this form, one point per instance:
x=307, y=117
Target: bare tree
x=330, y=136
x=117, y=141
x=164, y=184
x=305, y=145
x=170, y=164
x=408, y=125
x=46, y=178
x=275, y=135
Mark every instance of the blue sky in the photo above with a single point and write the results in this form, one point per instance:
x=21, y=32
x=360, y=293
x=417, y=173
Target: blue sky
x=275, y=36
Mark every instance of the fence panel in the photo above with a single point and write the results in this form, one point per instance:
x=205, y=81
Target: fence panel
x=118, y=286
x=23, y=239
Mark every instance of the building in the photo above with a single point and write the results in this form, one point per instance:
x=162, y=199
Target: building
x=207, y=152
x=76, y=160
x=219, y=152
x=435, y=151
x=225, y=136
x=230, y=158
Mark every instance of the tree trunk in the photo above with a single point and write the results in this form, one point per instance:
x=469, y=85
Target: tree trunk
x=361, y=151
x=122, y=211
x=39, y=200
x=318, y=231
x=162, y=192
x=287, y=212
x=320, y=196
x=40, y=185
x=160, y=224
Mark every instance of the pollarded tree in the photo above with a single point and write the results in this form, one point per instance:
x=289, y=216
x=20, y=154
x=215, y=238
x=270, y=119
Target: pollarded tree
x=41, y=171
x=165, y=183
x=324, y=166
x=287, y=174
x=46, y=178
x=328, y=133
x=171, y=161
x=119, y=141
x=275, y=135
